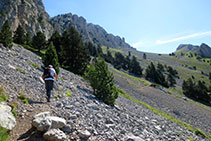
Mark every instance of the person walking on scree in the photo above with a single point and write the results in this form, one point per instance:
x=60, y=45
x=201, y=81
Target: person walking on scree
x=48, y=76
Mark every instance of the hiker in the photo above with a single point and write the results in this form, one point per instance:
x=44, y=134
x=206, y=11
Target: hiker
x=48, y=76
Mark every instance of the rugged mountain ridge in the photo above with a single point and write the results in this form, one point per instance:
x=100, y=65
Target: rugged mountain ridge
x=203, y=50
x=89, y=32
x=30, y=14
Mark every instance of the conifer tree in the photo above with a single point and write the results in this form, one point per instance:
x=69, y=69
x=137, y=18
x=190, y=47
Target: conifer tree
x=28, y=40
x=160, y=67
x=92, y=49
x=144, y=56
x=19, y=36
x=135, y=68
x=56, y=39
x=39, y=41
x=119, y=60
x=74, y=54
x=109, y=58
x=99, y=51
x=102, y=82
x=171, y=80
x=6, y=35
x=127, y=63
x=51, y=58
x=155, y=75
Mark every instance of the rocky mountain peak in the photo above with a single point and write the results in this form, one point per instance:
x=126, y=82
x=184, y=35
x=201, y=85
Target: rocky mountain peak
x=30, y=14
x=189, y=47
x=89, y=32
x=203, y=50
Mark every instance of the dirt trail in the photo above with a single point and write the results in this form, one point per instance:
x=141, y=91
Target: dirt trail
x=23, y=130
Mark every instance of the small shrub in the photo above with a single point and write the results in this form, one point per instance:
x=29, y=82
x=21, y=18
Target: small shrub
x=68, y=93
x=198, y=132
x=190, y=138
x=23, y=98
x=56, y=96
x=26, y=101
x=21, y=70
x=3, y=96
x=4, y=134
x=14, y=112
x=35, y=65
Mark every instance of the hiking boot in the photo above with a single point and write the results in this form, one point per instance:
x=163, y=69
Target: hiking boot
x=48, y=99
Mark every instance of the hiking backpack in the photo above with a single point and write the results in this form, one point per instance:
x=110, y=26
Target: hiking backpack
x=47, y=73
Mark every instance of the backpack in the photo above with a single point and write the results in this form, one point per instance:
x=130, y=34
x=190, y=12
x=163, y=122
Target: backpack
x=47, y=73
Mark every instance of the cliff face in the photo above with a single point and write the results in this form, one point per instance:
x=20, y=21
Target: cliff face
x=89, y=32
x=30, y=14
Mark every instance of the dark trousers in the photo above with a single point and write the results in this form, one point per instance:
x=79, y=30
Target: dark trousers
x=48, y=87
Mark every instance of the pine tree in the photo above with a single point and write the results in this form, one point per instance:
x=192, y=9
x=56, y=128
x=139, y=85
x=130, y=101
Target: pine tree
x=56, y=39
x=202, y=92
x=99, y=51
x=51, y=58
x=127, y=63
x=171, y=80
x=6, y=35
x=28, y=40
x=109, y=58
x=119, y=60
x=135, y=68
x=150, y=73
x=92, y=49
x=144, y=56
x=74, y=54
x=19, y=36
x=155, y=75
x=188, y=88
x=102, y=82
x=160, y=67
x=39, y=41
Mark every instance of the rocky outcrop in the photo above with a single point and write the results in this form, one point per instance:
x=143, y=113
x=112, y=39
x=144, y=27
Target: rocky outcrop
x=7, y=120
x=30, y=14
x=89, y=32
x=187, y=47
x=203, y=50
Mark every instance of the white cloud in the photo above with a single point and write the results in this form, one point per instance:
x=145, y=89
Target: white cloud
x=138, y=44
x=184, y=37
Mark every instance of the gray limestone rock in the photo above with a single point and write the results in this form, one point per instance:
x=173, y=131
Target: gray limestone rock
x=55, y=135
x=7, y=120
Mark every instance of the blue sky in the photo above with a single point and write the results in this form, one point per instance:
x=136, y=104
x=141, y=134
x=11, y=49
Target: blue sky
x=157, y=26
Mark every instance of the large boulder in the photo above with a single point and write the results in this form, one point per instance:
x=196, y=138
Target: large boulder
x=44, y=122
x=55, y=135
x=7, y=120
x=56, y=122
x=84, y=134
x=37, y=119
